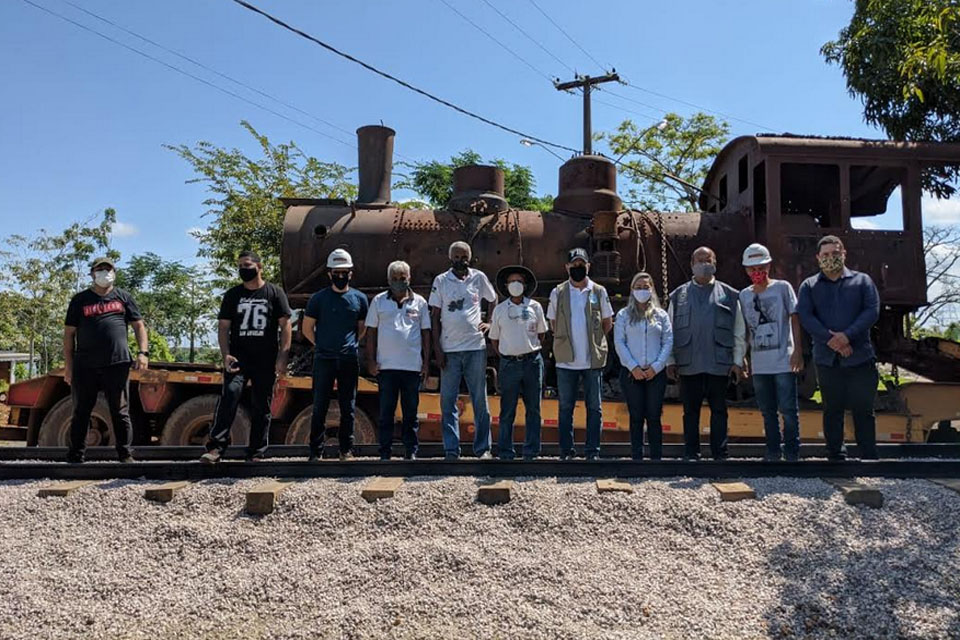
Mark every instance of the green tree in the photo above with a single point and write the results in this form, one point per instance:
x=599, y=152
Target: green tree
x=941, y=251
x=244, y=206
x=433, y=181
x=653, y=157
x=902, y=59
x=43, y=272
x=178, y=300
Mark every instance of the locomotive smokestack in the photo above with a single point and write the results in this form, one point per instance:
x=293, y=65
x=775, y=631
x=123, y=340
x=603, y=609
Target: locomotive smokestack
x=478, y=189
x=375, y=166
x=588, y=184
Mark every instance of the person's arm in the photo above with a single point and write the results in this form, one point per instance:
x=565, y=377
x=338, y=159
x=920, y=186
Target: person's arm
x=552, y=311
x=808, y=319
x=69, y=345
x=223, y=339
x=739, y=338
x=796, y=358
x=308, y=327
x=621, y=346
x=371, y=348
x=495, y=330
x=286, y=339
x=606, y=312
x=666, y=346
x=425, y=346
x=143, y=343
x=671, y=361
x=868, y=315
x=437, y=327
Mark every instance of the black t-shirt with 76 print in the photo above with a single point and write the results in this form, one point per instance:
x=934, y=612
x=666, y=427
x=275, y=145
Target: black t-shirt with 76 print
x=254, y=323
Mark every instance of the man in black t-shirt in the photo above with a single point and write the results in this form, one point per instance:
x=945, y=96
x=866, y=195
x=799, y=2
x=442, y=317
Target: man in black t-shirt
x=98, y=359
x=251, y=316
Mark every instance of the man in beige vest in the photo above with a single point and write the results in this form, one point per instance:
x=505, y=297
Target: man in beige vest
x=580, y=317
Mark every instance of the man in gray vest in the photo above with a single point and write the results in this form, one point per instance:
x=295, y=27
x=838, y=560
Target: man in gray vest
x=580, y=318
x=709, y=345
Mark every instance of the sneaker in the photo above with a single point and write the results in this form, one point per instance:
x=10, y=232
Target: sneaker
x=410, y=456
x=793, y=457
x=314, y=457
x=568, y=455
x=451, y=456
x=346, y=456
x=771, y=456
x=529, y=458
x=210, y=457
x=384, y=456
x=126, y=459
x=690, y=458
x=837, y=458
x=254, y=458
x=486, y=455
x=593, y=457
x=75, y=460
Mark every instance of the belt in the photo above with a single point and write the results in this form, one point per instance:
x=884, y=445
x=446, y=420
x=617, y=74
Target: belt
x=525, y=356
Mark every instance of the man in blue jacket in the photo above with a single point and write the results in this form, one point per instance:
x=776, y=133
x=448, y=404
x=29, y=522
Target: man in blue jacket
x=837, y=307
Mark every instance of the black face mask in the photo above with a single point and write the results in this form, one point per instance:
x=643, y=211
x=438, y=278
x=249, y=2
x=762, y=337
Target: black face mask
x=577, y=274
x=340, y=281
x=399, y=287
x=247, y=273
x=460, y=267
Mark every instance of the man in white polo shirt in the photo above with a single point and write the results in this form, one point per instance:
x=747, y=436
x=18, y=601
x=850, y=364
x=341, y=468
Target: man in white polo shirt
x=580, y=318
x=460, y=347
x=398, y=354
x=516, y=329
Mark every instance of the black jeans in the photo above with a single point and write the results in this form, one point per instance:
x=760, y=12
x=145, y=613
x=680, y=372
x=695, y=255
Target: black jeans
x=262, y=379
x=405, y=385
x=645, y=402
x=345, y=372
x=113, y=381
x=693, y=390
x=853, y=388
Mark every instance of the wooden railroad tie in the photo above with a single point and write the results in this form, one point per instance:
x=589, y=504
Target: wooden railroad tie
x=610, y=485
x=380, y=488
x=734, y=491
x=262, y=499
x=496, y=493
x=856, y=493
x=164, y=492
x=63, y=489
x=949, y=483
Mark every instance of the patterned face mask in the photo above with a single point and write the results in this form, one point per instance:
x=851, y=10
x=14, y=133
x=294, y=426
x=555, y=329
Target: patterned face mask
x=831, y=263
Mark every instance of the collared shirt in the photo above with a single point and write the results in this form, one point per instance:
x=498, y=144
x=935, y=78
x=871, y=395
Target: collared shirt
x=850, y=304
x=739, y=330
x=399, y=342
x=459, y=304
x=517, y=326
x=337, y=314
x=578, y=321
x=646, y=343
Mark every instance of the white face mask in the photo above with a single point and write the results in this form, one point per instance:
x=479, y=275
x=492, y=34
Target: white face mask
x=642, y=295
x=104, y=278
x=515, y=288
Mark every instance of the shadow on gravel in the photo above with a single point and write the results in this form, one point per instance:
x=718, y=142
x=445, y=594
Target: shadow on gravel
x=851, y=585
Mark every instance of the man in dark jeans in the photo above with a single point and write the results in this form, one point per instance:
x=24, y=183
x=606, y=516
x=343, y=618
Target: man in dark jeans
x=251, y=316
x=398, y=354
x=837, y=307
x=97, y=357
x=340, y=313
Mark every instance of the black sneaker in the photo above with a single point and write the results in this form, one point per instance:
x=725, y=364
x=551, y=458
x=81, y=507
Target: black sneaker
x=568, y=455
x=75, y=460
x=451, y=456
x=410, y=456
x=793, y=457
x=127, y=459
x=771, y=456
x=210, y=457
x=690, y=458
x=314, y=457
x=254, y=458
x=529, y=458
x=593, y=457
x=384, y=456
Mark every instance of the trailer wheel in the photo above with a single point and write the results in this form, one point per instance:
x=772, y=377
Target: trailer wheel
x=299, y=431
x=190, y=423
x=55, y=428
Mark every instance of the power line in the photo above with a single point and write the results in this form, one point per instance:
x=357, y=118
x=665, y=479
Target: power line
x=528, y=36
x=402, y=83
x=207, y=68
x=568, y=36
x=185, y=73
x=696, y=106
x=500, y=44
x=624, y=109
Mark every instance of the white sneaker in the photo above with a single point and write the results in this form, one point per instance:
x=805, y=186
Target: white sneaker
x=486, y=455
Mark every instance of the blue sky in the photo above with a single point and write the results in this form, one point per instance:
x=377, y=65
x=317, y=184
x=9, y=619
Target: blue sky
x=83, y=120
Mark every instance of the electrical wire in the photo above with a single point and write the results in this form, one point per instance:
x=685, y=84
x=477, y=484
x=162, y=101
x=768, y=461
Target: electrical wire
x=528, y=36
x=568, y=36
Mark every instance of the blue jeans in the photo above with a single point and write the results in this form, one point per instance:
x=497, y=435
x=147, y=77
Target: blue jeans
x=520, y=377
x=405, y=385
x=470, y=366
x=779, y=391
x=645, y=402
x=568, y=383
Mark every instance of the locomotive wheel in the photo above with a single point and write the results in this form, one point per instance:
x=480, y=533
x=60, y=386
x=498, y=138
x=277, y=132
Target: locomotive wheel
x=299, y=431
x=190, y=423
x=55, y=428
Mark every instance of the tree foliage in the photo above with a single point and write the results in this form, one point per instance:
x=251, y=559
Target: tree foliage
x=244, y=207
x=433, y=181
x=902, y=59
x=684, y=148
x=941, y=250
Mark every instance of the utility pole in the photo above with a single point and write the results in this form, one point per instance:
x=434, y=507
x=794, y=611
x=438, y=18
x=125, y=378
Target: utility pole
x=585, y=83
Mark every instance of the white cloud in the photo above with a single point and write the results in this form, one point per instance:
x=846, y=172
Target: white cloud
x=937, y=211
x=862, y=223
x=124, y=229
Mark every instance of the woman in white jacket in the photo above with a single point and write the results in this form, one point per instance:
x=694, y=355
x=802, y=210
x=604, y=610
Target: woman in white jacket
x=643, y=338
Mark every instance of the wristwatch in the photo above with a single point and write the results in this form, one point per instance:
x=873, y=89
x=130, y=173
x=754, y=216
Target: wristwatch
x=143, y=353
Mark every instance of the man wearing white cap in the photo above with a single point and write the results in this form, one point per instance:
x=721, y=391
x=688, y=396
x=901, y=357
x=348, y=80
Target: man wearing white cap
x=341, y=312
x=774, y=357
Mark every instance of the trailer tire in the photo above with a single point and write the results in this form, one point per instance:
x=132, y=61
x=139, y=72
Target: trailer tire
x=299, y=431
x=189, y=424
x=55, y=428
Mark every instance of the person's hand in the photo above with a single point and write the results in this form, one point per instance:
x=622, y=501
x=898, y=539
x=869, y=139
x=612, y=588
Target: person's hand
x=672, y=372
x=231, y=364
x=846, y=352
x=441, y=359
x=68, y=376
x=737, y=373
x=425, y=371
x=141, y=363
x=637, y=373
x=483, y=327
x=838, y=341
x=649, y=373
x=746, y=368
x=796, y=361
x=374, y=368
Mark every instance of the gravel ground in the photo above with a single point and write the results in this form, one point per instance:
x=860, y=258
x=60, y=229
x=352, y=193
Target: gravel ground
x=560, y=561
